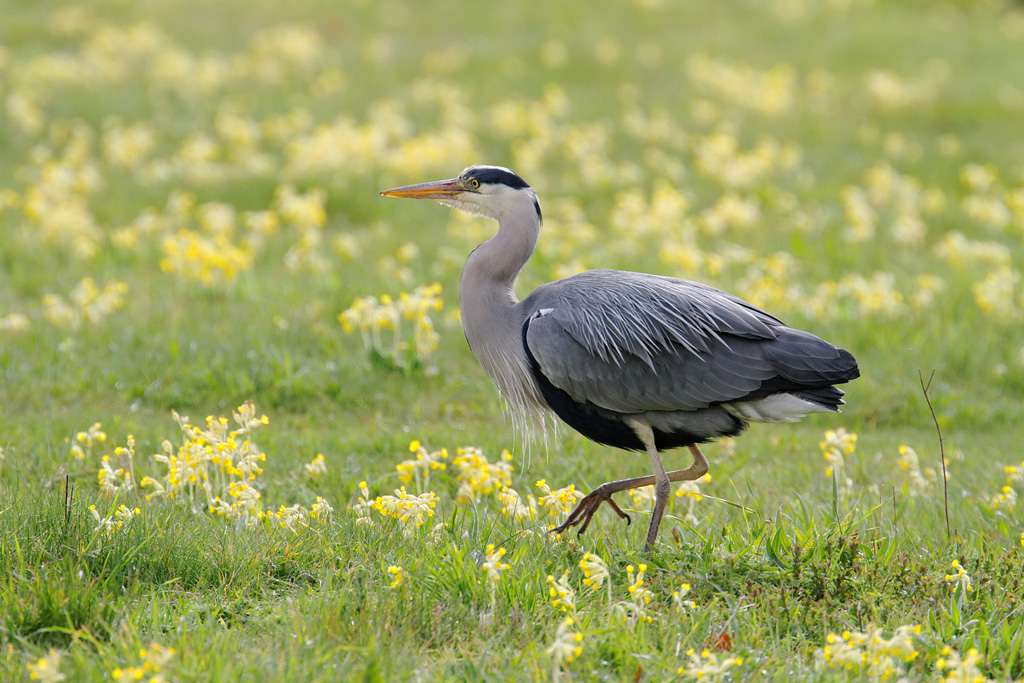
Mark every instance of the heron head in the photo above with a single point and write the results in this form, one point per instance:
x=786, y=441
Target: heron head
x=490, y=191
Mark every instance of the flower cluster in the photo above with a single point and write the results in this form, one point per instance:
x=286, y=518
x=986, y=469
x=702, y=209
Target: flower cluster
x=379, y=321
x=423, y=465
x=47, y=668
x=399, y=576
x=708, y=666
x=643, y=497
x=493, y=565
x=363, y=505
x=562, y=594
x=212, y=243
x=559, y=501
x=952, y=668
x=154, y=659
x=634, y=610
x=15, y=322
x=87, y=303
x=870, y=652
x=868, y=297
x=214, y=469
x=216, y=465
x=567, y=645
x=769, y=93
x=295, y=517
x=316, y=467
x=478, y=476
x=410, y=511
x=512, y=505
x=720, y=156
x=690, y=490
x=59, y=184
x=113, y=481
x=1006, y=499
x=888, y=90
x=632, y=216
x=995, y=293
x=479, y=480
x=837, y=445
x=891, y=200
x=595, y=571
x=918, y=480
x=988, y=202
x=208, y=259
x=307, y=214
x=111, y=478
x=960, y=580
x=86, y=441
x=959, y=251
x=682, y=605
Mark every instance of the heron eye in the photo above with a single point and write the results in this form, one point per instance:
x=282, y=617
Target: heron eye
x=474, y=183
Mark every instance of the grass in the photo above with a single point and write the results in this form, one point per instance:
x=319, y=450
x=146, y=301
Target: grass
x=777, y=555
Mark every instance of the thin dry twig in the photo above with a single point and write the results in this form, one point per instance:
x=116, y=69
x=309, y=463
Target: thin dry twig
x=942, y=451
x=69, y=496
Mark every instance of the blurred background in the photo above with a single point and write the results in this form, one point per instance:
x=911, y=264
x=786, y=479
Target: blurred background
x=189, y=207
x=190, y=220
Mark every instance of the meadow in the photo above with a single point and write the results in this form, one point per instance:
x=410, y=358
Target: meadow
x=242, y=436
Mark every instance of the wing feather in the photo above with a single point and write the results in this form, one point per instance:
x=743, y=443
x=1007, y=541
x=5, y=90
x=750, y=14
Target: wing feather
x=633, y=343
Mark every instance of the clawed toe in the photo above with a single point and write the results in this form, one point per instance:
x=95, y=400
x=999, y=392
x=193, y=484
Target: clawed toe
x=584, y=512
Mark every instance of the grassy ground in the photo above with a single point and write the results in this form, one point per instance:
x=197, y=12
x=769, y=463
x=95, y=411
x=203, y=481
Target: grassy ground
x=213, y=168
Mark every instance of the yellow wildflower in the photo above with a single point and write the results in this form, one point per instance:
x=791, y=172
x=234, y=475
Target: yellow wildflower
x=562, y=594
x=423, y=465
x=478, y=476
x=837, y=445
x=493, y=564
x=595, y=571
x=559, y=501
x=317, y=466
x=154, y=659
x=708, y=666
x=47, y=668
x=682, y=605
x=410, y=511
x=869, y=652
x=514, y=507
x=399, y=577
x=960, y=579
x=567, y=645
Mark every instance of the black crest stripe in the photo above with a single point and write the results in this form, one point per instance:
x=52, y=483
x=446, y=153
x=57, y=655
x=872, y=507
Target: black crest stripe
x=498, y=176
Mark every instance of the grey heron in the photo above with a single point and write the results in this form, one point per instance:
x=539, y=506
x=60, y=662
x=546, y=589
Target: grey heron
x=635, y=361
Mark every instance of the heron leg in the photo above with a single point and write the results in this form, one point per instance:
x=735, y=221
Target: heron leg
x=585, y=510
x=663, y=485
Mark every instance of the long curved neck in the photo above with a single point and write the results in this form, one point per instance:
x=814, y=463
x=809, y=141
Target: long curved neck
x=486, y=295
x=497, y=262
x=487, y=302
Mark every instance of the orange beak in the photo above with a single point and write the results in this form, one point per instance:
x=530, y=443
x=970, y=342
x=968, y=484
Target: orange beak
x=438, y=189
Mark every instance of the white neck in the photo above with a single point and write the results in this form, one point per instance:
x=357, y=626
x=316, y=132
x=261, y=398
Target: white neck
x=486, y=292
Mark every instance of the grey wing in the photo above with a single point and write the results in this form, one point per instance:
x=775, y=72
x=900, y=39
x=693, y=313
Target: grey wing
x=633, y=343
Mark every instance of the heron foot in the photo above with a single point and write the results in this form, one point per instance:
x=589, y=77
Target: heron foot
x=584, y=512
